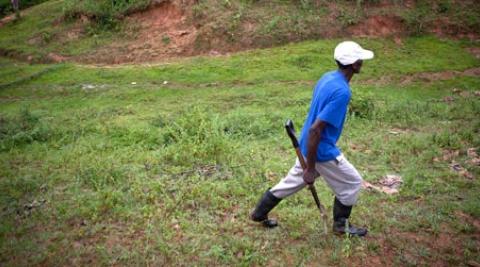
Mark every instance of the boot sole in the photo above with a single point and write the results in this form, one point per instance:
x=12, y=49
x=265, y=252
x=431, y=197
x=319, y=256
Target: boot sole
x=350, y=235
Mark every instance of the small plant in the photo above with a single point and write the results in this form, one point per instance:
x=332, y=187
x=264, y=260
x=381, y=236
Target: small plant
x=306, y=4
x=418, y=18
x=46, y=37
x=22, y=129
x=444, y=6
x=347, y=242
x=361, y=106
x=272, y=24
x=348, y=18
x=166, y=39
x=226, y=3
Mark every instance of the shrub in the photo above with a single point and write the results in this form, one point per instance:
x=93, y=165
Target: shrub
x=22, y=129
x=361, y=106
x=104, y=13
x=194, y=137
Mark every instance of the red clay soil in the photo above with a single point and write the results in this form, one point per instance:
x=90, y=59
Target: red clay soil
x=446, y=242
x=378, y=26
x=161, y=33
x=474, y=51
x=6, y=20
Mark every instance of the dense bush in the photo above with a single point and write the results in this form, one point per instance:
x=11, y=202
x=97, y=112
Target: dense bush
x=22, y=129
x=362, y=105
x=195, y=137
x=103, y=12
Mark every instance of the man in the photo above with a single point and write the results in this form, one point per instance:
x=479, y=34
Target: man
x=320, y=134
x=16, y=8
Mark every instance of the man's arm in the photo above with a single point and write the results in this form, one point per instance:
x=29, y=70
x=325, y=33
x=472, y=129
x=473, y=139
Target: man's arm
x=314, y=135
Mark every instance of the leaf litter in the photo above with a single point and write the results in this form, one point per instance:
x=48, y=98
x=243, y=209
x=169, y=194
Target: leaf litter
x=388, y=184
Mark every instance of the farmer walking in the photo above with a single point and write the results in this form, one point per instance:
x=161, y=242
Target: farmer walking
x=16, y=8
x=321, y=131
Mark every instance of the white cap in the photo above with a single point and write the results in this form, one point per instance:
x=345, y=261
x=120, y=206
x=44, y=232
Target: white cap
x=349, y=52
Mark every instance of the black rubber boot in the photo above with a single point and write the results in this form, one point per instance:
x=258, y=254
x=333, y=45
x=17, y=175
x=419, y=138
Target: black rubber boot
x=264, y=206
x=341, y=213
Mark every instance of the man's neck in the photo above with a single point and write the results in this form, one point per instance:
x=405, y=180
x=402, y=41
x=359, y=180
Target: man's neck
x=348, y=73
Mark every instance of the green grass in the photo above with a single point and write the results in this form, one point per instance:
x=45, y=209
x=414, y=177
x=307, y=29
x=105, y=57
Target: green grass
x=42, y=30
x=295, y=62
x=95, y=170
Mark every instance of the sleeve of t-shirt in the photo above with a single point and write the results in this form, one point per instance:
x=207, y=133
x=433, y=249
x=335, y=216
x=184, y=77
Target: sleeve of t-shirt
x=334, y=111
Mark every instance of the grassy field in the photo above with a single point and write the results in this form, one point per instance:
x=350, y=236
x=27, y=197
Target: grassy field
x=161, y=164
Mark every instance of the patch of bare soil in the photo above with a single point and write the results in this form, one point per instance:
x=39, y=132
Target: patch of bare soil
x=424, y=77
x=164, y=31
x=444, y=243
x=475, y=51
x=440, y=76
x=7, y=19
x=160, y=32
x=385, y=256
x=112, y=238
x=378, y=26
x=475, y=222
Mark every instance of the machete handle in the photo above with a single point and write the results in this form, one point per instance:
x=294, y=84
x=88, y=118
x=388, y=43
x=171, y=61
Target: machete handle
x=300, y=158
x=291, y=132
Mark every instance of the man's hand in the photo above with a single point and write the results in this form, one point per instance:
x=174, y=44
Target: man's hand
x=309, y=176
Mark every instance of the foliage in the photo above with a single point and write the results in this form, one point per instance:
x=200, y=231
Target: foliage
x=106, y=13
x=24, y=128
x=418, y=18
x=6, y=5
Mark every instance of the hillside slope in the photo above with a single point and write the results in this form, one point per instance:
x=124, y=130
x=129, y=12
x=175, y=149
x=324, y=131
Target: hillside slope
x=171, y=28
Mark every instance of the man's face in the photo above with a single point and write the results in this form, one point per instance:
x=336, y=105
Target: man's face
x=357, y=66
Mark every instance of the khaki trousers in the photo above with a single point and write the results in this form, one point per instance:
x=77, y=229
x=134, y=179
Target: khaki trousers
x=339, y=174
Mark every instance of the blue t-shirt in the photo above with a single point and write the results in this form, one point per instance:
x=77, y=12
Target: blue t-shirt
x=329, y=104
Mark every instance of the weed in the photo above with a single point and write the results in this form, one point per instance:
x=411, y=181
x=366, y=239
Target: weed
x=199, y=135
x=347, y=243
x=272, y=24
x=46, y=37
x=418, y=18
x=444, y=6
x=347, y=17
x=166, y=39
x=362, y=106
x=22, y=129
